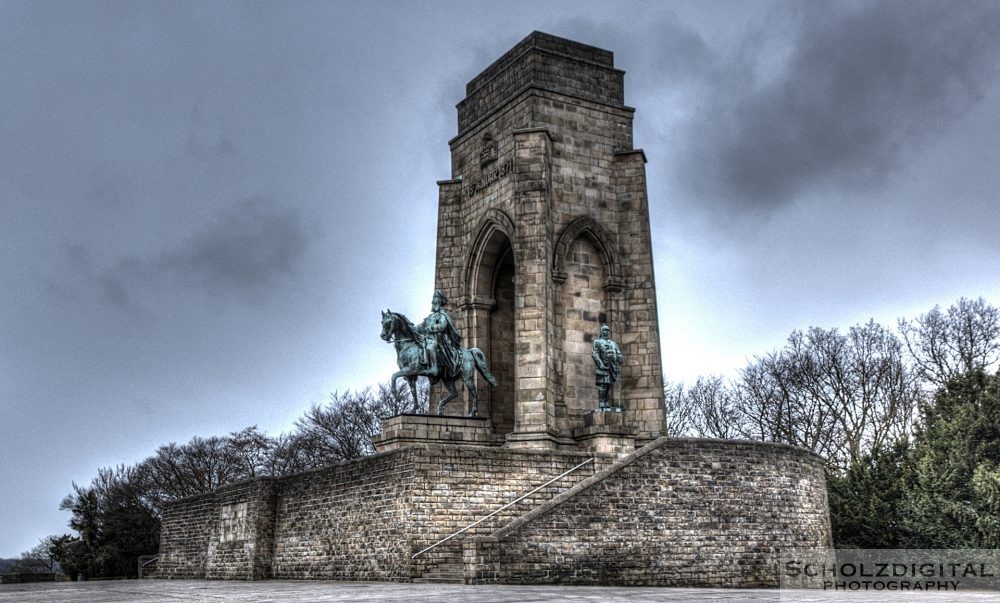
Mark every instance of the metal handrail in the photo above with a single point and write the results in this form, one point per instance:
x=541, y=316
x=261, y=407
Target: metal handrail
x=511, y=503
x=145, y=560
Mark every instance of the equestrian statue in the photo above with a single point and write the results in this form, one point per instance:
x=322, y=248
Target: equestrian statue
x=433, y=349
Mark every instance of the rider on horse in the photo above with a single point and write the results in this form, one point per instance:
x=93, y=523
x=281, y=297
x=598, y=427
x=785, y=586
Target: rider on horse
x=440, y=340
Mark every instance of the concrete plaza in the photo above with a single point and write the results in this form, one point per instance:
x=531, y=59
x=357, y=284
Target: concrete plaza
x=280, y=591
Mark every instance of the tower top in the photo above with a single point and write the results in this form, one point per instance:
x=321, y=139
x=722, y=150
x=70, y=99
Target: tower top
x=546, y=62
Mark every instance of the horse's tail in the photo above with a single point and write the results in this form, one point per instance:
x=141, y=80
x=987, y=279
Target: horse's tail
x=482, y=366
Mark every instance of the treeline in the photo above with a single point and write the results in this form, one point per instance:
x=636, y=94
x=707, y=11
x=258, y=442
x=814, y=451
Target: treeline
x=908, y=420
x=38, y=560
x=116, y=517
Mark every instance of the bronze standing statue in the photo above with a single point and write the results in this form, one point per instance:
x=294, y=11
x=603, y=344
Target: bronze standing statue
x=433, y=350
x=608, y=359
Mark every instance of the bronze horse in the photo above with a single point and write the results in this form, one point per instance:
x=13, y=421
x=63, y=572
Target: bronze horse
x=399, y=331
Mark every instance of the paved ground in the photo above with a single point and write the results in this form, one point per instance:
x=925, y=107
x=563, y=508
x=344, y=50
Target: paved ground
x=157, y=591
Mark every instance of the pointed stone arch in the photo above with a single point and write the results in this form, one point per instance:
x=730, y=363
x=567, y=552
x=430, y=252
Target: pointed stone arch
x=587, y=273
x=489, y=306
x=602, y=241
x=494, y=227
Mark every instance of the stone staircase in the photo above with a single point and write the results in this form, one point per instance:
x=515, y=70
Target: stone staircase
x=444, y=573
x=444, y=563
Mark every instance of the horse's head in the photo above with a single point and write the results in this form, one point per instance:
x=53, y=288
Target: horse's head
x=388, y=324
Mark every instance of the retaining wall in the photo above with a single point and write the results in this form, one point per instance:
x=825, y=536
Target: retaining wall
x=680, y=512
x=677, y=512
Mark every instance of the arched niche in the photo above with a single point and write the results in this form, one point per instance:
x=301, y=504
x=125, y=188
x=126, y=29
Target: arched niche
x=588, y=278
x=603, y=243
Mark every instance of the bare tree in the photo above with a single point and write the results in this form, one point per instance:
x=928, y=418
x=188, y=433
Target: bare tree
x=201, y=465
x=963, y=340
x=249, y=452
x=340, y=430
x=840, y=395
x=758, y=402
x=679, y=411
x=38, y=560
x=715, y=414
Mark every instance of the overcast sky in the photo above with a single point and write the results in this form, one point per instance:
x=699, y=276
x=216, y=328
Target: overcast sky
x=203, y=207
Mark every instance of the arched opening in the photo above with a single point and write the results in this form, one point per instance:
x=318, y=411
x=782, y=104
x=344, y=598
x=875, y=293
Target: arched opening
x=501, y=353
x=491, y=292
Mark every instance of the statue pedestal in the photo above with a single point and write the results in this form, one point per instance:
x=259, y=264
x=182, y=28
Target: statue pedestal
x=407, y=430
x=604, y=431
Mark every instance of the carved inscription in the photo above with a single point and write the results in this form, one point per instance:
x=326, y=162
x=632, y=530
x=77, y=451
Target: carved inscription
x=489, y=178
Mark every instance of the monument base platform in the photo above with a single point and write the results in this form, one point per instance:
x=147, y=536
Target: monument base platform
x=677, y=512
x=408, y=429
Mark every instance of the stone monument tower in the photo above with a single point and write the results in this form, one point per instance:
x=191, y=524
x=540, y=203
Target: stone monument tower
x=543, y=236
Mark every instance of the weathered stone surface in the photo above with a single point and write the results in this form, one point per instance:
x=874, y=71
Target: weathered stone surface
x=361, y=520
x=197, y=539
x=677, y=512
x=287, y=591
x=407, y=430
x=680, y=512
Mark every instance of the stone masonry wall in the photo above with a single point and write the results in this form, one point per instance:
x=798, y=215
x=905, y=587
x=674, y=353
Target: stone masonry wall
x=359, y=520
x=680, y=512
x=347, y=521
x=582, y=311
x=224, y=534
x=677, y=512
x=548, y=62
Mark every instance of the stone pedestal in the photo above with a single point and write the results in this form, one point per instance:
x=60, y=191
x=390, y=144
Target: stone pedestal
x=407, y=430
x=604, y=431
x=537, y=440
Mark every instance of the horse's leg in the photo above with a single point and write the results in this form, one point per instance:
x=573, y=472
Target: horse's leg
x=469, y=377
x=452, y=394
x=470, y=384
x=413, y=392
x=392, y=381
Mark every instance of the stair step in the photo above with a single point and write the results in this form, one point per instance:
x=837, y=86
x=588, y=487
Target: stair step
x=447, y=568
x=451, y=573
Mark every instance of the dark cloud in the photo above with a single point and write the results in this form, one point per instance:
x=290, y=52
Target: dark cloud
x=246, y=252
x=859, y=88
x=250, y=246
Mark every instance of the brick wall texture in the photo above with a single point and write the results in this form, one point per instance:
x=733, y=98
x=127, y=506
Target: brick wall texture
x=677, y=512
x=360, y=520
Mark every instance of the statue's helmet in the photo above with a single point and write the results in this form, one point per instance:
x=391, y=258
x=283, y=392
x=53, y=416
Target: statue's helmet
x=605, y=329
x=439, y=298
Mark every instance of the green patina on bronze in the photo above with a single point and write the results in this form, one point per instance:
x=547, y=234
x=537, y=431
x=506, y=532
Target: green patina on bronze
x=433, y=350
x=608, y=359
